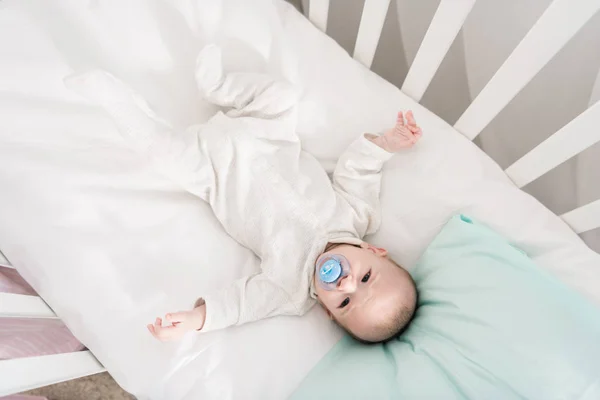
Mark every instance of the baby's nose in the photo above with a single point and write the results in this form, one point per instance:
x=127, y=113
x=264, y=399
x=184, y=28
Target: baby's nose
x=347, y=284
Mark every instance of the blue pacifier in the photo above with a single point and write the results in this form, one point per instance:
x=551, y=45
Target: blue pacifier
x=331, y=269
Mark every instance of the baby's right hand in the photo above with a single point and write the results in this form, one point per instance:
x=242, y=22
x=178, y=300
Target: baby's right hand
x=181, y=323
x=402, y=136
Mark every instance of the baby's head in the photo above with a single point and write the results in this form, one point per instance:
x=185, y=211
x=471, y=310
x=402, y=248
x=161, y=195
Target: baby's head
x=376, y=300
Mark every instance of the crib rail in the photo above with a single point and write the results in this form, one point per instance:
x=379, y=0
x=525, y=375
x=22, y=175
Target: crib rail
x=369, y=30
x=584, y=218
x=579, y=134
x=21, y=374
x=23, y=306
x=318, y=13
x=4, y=261
x=445, y=25
x=557, y=25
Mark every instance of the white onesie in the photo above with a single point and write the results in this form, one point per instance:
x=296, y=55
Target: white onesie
x=268, y=194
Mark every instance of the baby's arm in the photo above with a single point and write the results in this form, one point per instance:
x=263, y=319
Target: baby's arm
x=357, y=176
x=247, y=300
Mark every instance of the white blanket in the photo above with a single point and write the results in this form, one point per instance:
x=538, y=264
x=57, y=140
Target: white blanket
x=109, y=243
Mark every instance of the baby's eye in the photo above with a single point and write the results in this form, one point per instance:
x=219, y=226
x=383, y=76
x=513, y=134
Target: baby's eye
x=344, y=303
x=366, y=277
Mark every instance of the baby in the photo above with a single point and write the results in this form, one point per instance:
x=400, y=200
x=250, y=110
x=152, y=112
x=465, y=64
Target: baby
x=276, y=200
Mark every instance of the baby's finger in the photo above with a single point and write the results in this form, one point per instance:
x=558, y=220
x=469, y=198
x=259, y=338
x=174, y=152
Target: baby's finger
x=166, y=332
x=152, y=331
x=400, y=119
x=413, y=128
x=158, y=323
x=410, y=118
x=417, y=136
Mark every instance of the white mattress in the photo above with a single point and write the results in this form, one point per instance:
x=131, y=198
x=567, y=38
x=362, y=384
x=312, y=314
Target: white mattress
x=110, y=244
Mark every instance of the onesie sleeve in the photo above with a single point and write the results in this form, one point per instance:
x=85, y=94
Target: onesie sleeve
x=357, y=180
x=247, y=300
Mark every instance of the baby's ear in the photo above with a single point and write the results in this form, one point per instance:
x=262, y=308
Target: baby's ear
x=380, y=251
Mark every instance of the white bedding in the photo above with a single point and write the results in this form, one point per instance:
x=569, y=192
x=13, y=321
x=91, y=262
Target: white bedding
x=110, y=244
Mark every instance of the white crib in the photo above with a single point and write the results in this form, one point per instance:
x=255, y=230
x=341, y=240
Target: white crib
x=561, y=21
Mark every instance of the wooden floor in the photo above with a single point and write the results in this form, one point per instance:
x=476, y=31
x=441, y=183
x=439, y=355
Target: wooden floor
x=95, y=387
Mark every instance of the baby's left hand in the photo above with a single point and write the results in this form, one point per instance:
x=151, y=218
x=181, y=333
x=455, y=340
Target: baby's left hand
x=401, y=136
x=181, y=323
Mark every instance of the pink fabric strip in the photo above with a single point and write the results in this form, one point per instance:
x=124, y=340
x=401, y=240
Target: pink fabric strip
x=12, y=282
x=26, y=337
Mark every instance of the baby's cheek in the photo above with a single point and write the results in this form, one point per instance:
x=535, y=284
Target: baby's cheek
x=325, y=301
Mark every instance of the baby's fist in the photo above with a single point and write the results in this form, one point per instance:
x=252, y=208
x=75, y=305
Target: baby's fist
x=401, y=136
x=181, y=323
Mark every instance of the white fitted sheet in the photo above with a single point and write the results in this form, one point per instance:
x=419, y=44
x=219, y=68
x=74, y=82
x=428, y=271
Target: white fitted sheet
x=110, y=244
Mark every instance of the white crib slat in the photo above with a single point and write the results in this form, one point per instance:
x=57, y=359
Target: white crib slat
x=23, y=374
x=318, y=11
x=584, y=218
x=445, y=25
x=4, y=261
x=556, y=26
x=18, y=305
x=369, y=30
x=579, y=134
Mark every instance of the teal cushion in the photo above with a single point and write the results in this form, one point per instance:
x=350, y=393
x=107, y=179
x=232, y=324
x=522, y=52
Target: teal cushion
x=490, y=325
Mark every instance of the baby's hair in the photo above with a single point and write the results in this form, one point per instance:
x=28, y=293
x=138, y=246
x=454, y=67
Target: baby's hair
x=331, y=246
x=392, y=327
x=397, y=324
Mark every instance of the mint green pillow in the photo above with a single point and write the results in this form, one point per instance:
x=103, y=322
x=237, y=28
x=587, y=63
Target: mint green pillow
x=490, y=325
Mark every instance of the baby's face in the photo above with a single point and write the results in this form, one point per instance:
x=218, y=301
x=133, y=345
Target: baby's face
x=374, y=286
